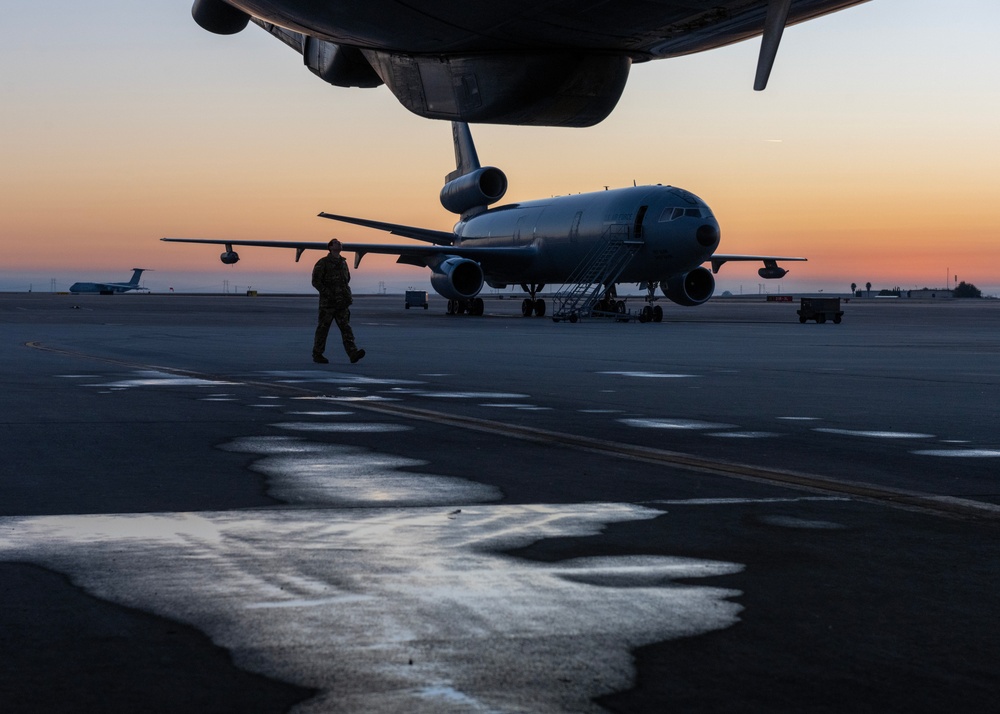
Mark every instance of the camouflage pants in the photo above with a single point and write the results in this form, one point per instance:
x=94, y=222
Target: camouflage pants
x=327, y=316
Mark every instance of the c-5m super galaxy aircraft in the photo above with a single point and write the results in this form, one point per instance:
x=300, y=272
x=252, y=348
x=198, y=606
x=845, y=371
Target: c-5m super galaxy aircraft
x=655, y=236
x=110, y=288
x=555, y=63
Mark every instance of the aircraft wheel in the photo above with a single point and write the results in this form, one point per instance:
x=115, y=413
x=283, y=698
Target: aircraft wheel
x=646, y=315
x=540, y=307
x=657, y=314
x=477, y=307
x=527, y=307
x=451, y=308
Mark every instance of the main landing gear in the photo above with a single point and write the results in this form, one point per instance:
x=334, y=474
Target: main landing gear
x=530, y=305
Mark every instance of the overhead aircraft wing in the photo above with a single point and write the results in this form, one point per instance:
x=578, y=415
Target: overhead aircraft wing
x=770, y=269
x=419, y=255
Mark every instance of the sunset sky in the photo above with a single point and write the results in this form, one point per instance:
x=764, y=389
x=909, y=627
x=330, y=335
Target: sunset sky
x=874, y=152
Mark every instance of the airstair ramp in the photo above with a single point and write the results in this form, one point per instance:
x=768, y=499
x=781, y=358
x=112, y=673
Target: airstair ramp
x=600, y=268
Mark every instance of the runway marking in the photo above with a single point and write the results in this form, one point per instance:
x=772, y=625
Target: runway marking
x=898, y=498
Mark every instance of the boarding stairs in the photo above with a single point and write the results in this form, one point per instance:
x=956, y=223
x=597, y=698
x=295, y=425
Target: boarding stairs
x=599, y=269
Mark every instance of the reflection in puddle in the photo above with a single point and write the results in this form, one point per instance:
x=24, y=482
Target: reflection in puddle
x=473, y=395
x=744, y=434
x=395, y=609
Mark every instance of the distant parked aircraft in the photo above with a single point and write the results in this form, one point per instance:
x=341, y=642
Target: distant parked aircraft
x=110, y=288
x=656, y=236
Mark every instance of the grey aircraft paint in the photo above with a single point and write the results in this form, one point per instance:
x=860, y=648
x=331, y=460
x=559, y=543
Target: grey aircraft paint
x=534, y=243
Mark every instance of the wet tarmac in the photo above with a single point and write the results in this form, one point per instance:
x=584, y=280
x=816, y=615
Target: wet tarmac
x=727, y=511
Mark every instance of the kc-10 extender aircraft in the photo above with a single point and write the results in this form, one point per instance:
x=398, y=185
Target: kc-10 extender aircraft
x=656, y=236
x=110, y=288
x=553, y=63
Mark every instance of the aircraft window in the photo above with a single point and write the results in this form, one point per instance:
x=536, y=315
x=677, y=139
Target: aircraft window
x=666, y=215
x=692, y=212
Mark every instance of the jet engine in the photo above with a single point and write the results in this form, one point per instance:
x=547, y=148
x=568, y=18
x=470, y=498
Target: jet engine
x=457, y=279
x=772, y=272
x=690, y=289
x=476, y=189
x=219, y=17
x=230, y=257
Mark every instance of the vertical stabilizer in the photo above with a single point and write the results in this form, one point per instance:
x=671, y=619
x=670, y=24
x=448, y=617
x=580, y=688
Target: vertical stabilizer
x=466, y=158
x=136, y=272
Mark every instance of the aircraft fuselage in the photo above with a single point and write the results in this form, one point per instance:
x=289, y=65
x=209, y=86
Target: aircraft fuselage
x=677, y=230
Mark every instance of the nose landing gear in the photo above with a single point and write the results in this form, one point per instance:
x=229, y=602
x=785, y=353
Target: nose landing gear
x=530, y=305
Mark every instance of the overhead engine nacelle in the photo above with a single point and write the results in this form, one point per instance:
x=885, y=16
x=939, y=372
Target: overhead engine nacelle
x=690, y=289
x=219, y=17
x=772, y=272
x=457, y=279
x=230, y=257
x=477, y=189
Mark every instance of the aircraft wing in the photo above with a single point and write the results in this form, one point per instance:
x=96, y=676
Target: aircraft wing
x=770, y=269
x=419, y=255
x=557, y=63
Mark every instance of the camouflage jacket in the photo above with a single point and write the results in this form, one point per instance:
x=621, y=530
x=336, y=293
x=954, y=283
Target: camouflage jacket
x=331, y=278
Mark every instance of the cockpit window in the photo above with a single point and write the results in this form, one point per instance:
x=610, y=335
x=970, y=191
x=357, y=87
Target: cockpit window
x=672, y=214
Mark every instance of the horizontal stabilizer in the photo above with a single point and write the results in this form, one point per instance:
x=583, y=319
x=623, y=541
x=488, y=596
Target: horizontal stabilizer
x=425, y=234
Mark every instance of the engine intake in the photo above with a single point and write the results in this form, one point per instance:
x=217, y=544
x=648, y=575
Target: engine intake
x=219, y=17
x=690, y=289
x=477, y=189
x=457, y=279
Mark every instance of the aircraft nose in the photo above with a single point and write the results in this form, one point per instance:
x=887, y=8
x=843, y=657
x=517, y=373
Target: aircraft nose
x=708, y=235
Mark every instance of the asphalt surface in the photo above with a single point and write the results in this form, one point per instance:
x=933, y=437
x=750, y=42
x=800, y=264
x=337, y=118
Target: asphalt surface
x=727, y=511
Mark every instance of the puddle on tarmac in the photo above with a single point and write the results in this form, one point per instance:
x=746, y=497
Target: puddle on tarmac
x=961, y=453
x=876, y=434
x=395, y=610
x=650, y=375
x=800, y=523
x=343, y=428
x=301, y=471
x=675, y=424
x=744, y=434
x=155, y=378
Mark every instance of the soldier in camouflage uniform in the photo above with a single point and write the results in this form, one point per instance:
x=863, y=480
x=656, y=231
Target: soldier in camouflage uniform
x=331, y=278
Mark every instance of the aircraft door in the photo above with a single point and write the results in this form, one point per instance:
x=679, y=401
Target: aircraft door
x=637, y=228
x=574, y=231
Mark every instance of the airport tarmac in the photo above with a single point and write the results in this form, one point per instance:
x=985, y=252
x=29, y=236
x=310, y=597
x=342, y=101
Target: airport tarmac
x=727, y=511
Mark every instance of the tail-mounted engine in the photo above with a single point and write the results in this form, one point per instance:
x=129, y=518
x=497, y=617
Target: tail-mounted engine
x=475, y=190
x=690, y=289
x=457, y=278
